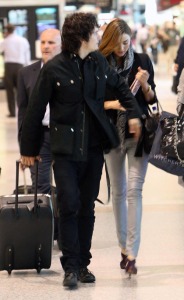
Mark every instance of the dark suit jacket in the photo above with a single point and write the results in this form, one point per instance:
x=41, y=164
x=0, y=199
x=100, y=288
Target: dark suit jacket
x=26, y=81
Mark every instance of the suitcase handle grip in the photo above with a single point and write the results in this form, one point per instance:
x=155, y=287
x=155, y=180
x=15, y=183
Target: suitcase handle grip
x=17, y=183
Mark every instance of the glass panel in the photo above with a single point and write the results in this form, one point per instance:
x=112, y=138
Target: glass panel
x=45, y=18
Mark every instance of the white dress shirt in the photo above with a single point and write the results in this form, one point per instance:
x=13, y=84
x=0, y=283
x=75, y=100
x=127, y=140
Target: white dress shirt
x=16, y=49
x=46, y=118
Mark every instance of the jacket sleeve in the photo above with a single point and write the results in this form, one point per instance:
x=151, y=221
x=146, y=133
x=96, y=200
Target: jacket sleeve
x=179, y=56
x=116, y=83
x=22, y=100
x=146, y=64
x=32, y=123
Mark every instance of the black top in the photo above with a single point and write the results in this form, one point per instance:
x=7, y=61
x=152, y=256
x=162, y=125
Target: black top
x=140, y=60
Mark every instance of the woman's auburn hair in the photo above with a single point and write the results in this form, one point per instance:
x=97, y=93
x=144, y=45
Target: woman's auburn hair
x=112, y=36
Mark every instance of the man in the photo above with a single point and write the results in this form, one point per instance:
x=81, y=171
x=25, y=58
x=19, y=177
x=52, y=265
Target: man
x=50, y=45
x=142, y=37
x=173, y=35
x=74, y=84
x=16, y=50
x=178, y=65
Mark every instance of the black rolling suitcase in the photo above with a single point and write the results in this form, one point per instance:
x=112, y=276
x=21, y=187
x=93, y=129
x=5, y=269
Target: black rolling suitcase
x=26, y=230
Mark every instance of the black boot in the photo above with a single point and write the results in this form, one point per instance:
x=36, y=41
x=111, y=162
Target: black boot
x=130, y=267
x=86, y=276
x=70, y=279
x=123, y=261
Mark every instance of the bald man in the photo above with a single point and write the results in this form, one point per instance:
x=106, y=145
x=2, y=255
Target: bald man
x=50, y=44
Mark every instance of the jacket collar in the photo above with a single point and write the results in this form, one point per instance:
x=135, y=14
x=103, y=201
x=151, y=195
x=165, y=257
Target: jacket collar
x=89, y=57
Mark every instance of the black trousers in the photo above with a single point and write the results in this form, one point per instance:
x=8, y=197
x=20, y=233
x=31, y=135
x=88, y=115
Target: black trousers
x=77, y=186
x=10, y=81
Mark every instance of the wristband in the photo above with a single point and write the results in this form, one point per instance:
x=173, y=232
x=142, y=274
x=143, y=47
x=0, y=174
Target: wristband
x=148, y=90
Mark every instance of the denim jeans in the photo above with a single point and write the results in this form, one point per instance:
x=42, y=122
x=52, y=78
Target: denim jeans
x=44, y=167
x=127, y=194
x=77, y=189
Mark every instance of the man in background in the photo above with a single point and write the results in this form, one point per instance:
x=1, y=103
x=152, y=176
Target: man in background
x=50, y=44
x=16, y=51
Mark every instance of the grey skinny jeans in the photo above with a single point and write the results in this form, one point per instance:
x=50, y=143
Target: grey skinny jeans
x=127, y=194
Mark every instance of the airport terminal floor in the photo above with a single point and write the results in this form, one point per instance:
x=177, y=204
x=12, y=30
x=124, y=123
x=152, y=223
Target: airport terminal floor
x=161, y=257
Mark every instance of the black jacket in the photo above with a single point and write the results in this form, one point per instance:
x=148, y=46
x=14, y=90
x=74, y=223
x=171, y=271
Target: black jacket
x=69, y=92
x=179, y=58
x=27, y=78
x=140, y=60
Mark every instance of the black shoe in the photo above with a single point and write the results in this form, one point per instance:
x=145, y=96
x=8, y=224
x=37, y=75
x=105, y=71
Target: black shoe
x=10, y=116
x=70, y=279
x=86, y=276
x=123, y=261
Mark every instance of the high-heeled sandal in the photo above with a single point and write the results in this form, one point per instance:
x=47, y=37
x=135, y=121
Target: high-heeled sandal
x=130, y=267
x=123, y=261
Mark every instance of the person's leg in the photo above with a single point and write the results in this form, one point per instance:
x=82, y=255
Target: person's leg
x=66, y=178
x=89, y=186
x=137, y=167
x=9, y=86
x=16, y=70
x=44, y=167
x=90, y=175
x=115, y=161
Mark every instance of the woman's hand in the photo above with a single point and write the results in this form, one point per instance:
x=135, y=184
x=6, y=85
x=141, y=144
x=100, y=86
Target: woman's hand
x=113, y=104
x=142, y=76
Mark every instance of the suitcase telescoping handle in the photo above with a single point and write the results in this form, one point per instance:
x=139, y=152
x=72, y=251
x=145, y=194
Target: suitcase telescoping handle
x=17, y=183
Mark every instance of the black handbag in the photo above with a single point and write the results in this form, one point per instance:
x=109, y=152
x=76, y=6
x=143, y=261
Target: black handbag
x=158, y=156
x=172, y=144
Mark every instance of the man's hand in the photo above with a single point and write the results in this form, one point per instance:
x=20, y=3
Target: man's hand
x=113, y=104
x=176, y=67
x=28, y=161
x=135, y=127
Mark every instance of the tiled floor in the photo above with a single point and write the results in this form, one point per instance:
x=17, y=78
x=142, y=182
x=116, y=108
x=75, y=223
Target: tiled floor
x=161, y=257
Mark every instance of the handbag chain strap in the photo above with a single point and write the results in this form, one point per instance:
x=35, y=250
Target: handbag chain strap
x=175, y=141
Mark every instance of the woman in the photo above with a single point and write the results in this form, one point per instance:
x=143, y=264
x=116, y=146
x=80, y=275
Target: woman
x=138, y=71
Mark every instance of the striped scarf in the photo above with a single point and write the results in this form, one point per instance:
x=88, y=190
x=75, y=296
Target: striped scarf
x=122, y=70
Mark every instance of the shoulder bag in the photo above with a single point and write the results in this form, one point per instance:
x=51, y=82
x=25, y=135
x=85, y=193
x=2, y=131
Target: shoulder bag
x=167, y=152
x=172, y=144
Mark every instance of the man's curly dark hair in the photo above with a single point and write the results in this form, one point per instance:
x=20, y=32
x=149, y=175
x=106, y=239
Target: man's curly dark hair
x=77, y=28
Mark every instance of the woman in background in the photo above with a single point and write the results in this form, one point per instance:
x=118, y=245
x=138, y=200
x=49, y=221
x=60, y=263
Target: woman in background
x=138, y=71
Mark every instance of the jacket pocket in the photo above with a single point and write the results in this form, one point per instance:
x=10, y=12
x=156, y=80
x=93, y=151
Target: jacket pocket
x=62, y=139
